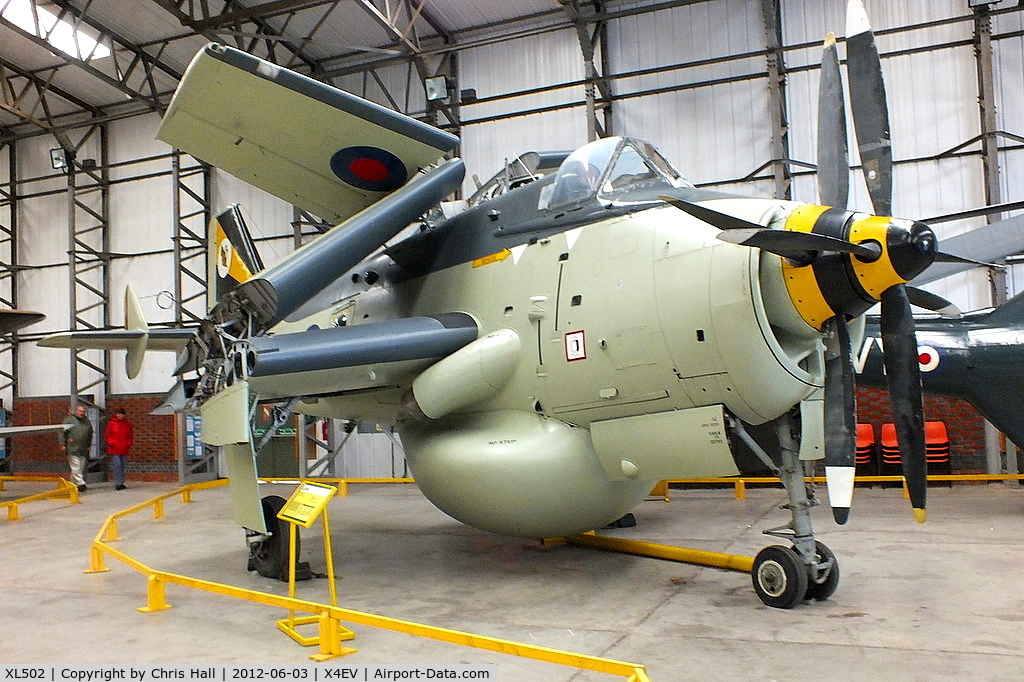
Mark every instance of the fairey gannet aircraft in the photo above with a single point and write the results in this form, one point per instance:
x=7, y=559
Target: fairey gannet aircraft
x=585, y=325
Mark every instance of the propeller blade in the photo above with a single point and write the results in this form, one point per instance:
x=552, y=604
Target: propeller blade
x=869, y=108
x=833, y=157
x=840, y=418
x=904, y=376
x=935, y=303
x=798, y=245
x=723, y=221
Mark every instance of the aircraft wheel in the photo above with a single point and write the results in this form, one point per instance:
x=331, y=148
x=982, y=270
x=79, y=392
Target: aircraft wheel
x=820, y=591
x=779, y=576
x=269, y=557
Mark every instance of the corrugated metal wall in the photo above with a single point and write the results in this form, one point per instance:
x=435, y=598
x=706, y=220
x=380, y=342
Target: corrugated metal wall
x=690, y=79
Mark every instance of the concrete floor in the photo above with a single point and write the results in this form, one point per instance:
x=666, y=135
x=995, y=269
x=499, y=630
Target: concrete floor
x=915, y=602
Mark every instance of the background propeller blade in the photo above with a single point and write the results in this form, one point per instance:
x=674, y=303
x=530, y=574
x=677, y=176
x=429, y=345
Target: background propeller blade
x=904, y=376
x=840, y=418
x=869, y=108
x=934, y=302
x=833, y=157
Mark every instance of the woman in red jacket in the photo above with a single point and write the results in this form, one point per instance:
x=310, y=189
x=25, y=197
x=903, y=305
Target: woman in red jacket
x=119, y=437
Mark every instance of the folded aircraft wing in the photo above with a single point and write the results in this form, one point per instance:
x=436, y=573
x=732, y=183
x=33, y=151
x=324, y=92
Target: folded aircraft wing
x=310, y=144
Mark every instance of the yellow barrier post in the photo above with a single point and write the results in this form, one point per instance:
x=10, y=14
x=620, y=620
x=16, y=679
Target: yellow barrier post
x=741, y=489
x=96, y=559
x=12, y=511
x=660, y=489
x=110, y=534
x=155, y=595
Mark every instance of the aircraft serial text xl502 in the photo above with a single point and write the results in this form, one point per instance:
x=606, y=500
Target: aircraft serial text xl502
x=584, y=326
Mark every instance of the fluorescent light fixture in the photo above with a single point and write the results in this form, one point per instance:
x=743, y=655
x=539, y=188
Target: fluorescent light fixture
x=26, y=15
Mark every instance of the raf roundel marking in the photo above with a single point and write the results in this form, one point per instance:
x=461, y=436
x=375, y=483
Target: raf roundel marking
x=369, y=168
x=928, y=358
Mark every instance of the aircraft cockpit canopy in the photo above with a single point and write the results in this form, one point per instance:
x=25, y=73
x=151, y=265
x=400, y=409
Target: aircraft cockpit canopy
x=613, y=169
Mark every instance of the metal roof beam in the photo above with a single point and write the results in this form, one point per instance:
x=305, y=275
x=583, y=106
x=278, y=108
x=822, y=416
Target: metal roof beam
x=139, y=65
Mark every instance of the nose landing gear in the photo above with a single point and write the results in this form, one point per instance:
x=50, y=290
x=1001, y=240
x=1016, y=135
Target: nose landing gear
x=785, y=576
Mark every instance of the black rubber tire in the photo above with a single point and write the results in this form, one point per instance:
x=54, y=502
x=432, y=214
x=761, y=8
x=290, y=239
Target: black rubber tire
x=823, y=590
x=269, y=557
x=779, y=576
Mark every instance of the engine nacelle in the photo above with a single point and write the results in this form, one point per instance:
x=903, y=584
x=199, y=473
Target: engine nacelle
x=516, y=473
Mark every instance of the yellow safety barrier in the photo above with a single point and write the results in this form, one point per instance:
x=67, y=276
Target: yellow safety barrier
x=64, y=488
x=740, y=483
x=329, y=617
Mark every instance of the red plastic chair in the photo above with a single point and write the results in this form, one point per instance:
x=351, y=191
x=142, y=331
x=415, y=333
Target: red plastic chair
x=867, y=451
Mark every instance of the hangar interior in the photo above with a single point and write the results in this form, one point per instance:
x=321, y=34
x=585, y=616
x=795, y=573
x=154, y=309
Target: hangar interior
x=726, y=89
x=91, y=202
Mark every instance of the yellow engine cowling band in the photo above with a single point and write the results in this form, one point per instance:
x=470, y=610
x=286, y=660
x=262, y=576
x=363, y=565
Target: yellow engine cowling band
x=835, y=282
x=800, y=281
x=879, y=275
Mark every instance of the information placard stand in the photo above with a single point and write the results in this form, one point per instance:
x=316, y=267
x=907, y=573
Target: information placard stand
x=307, y=503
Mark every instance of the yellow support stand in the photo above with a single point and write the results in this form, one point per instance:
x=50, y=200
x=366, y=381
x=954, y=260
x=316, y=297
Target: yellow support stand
x=307, y=503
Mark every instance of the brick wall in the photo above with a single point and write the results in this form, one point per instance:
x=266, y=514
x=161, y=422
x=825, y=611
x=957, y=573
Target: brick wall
x=153, y=456
x=965, y=425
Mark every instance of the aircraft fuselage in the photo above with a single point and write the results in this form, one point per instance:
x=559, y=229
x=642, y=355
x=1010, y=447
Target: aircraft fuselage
x=632, y=317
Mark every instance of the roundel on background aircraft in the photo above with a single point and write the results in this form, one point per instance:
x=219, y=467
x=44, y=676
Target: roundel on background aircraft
x=928, y=358
x=369, y=168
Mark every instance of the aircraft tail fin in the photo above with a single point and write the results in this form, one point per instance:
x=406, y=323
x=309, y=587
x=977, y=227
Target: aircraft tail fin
x=233, y=255
x=1011, y=312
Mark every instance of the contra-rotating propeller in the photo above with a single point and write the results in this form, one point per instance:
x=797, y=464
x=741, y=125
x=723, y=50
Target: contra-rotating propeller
x=854, y=261
x=871, y=126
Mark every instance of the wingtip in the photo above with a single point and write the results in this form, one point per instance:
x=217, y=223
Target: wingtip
x=920, y=515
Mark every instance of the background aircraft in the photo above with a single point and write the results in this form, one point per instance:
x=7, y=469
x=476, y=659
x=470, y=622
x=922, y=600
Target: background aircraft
x=978, y=358
x=556, y=344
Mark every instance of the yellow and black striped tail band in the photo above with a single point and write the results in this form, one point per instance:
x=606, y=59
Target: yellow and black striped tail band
x=835, y=283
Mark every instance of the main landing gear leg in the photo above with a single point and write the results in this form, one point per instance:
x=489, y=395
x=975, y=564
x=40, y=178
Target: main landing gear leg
x=785, y=576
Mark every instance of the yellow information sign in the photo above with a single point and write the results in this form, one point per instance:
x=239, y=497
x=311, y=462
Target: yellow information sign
x=306, y=503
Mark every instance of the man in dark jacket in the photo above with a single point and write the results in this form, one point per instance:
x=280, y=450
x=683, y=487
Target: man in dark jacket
x=76, y=439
